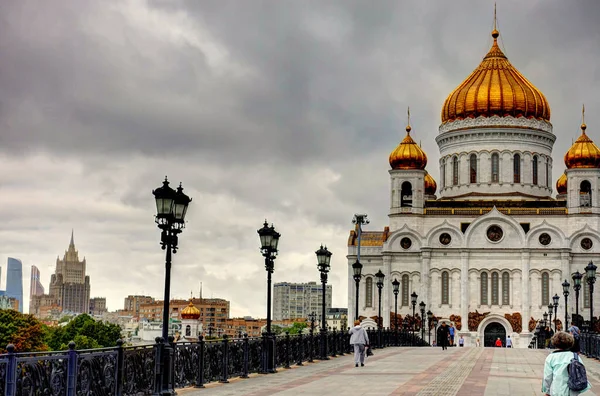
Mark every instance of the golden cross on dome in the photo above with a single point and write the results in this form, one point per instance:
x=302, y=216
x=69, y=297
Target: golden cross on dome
x=583, y=126
x=408, y=127
x=495, y=32
x=494, y=16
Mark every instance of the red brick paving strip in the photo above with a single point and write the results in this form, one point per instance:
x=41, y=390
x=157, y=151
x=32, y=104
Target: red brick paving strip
x=378, y=354
x=476, y=381
x=421, y=380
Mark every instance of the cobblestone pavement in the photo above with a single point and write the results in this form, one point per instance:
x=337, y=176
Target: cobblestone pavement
x=407, y=371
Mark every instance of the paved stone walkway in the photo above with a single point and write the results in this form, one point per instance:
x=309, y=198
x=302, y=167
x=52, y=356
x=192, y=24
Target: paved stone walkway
x=407, y=371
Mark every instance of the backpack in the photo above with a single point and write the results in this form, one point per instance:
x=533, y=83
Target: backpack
x=577, y=375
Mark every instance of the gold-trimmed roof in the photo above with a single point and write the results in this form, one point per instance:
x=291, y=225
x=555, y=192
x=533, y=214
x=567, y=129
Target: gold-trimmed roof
x=495, y=88
x=429, y=184
x=190, y=312
x=408, y=154
x=583, y=153
x=561, y=184
x=368, y=238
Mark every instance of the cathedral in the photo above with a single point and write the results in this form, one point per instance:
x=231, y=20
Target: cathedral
x=493, y=249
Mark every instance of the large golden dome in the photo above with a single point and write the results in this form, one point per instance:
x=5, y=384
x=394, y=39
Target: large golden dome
x=430, y=185
x=583, y=153
x=495, y=88
x=408, y=154
x=190, y=312
x=561, y=184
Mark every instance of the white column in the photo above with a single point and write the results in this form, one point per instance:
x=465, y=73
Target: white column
x=526, y=292
x=464, y=288
x=387, y=290
x=425, y=293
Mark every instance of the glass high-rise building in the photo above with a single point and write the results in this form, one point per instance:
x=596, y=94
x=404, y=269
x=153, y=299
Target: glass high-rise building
x=14, y=280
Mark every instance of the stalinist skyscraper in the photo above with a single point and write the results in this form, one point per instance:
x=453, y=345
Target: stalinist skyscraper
x=69, y=285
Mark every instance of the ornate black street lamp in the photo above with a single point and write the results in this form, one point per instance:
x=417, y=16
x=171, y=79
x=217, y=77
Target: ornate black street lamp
x=396, y=286
x=590, y=274
x=545, y=315
x=269, y=240
x=413, y=301
x=422, y=306
x=550, y=309
x=171, y=208
x=577, y=286
x=359, y=220
x=405, y=327
x=323, y=259
x=356, y=269
x=429, y=317
x=565, y=286
x=435, y=323
x=380, y=277
x=555, y=300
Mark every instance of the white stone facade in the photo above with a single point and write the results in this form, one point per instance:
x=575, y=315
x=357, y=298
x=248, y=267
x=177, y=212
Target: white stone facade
x=539, y=245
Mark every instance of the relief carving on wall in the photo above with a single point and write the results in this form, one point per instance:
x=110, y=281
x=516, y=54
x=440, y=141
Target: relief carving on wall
x=515, y=321
x=475, y=319
x=532, y=324
x=457, y=321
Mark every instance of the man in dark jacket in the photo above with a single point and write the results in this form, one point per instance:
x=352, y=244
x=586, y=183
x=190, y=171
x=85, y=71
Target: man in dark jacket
x=442, y=335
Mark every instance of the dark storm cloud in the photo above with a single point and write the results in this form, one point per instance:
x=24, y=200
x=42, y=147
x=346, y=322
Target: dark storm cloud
x=279, y=109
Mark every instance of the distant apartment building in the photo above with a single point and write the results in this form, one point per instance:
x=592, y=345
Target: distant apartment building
x=213, y=311
x=14, y=280
x=337, y=318
x=298, y=300
x=133, y=303
x=236, y=326
x=9, y=303
x=97, y=306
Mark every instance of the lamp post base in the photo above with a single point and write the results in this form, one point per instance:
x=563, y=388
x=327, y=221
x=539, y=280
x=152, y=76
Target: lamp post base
x=268, y=354
x=324, y=348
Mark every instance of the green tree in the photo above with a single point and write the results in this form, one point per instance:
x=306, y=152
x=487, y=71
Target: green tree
x=25, y=332
x=102, y=334
x=297, y=327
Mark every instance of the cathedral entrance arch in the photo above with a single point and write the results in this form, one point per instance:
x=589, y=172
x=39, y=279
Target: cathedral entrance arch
x=492, y=332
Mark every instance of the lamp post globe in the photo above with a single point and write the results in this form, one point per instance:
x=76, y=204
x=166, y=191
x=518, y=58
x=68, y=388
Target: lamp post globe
x=555, y=300
x=435, y=323
x=380, y=277
x=269, y=242
x=171, y=208
x=550, y=309
x=576, y=276
x=357, y=273
x=323, y=260
x=590, y=275
x=545, y=315
x=422, y=306
x=413, y=301
x=565, y=286
x=396, y=290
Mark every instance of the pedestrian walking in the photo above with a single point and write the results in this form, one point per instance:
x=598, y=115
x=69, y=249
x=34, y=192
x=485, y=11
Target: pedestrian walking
x=451, y=331
x=508, y=342
x=443, y=334
x=359, y=339
x=461, y=342
x=498, y=342
x=556, y=368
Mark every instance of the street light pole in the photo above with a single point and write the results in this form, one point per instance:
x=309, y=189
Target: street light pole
x=413, y=300
x=590, y=274
x=171, y=208
x=269, y=240
x=380, y=277
x=359, y=220
x=429, y=318
x=422, y=306
x=577, y=286
x=323, y=260
x=396, y=289
x=555, y=300
x=550, y=309
x=565, y=286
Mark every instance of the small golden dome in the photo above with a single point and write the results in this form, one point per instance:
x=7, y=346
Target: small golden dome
x=190, y=312
x=495, y=88
x=408, y=155
x=583, y=153
x=430, y=185
x=561, y=184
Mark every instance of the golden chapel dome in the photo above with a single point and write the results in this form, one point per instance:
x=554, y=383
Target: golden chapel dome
x=583, y=153
x=190, y=312
x=430, y=185
x=495, y=88
x=408, y=154
x=561, y=184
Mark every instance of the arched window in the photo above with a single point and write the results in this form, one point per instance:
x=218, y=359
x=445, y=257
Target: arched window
x=188, y=330
x=445, y=287
x=495, y=288
x=443, y=173
x=505, y=288
x=404, y=290
x=585, y=194
x=473, y=168
x=546, y=289
x=406, y=195
x=517, y=169
x=495, y=168
x=586, y=293
x=534, y=168
x=369, y=292
x=484, y=289
x=455, y=171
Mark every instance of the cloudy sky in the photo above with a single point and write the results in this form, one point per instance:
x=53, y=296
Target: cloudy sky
x=285, y=110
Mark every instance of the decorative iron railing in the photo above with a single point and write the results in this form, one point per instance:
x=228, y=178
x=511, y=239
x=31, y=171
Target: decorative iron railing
x=140, y=370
